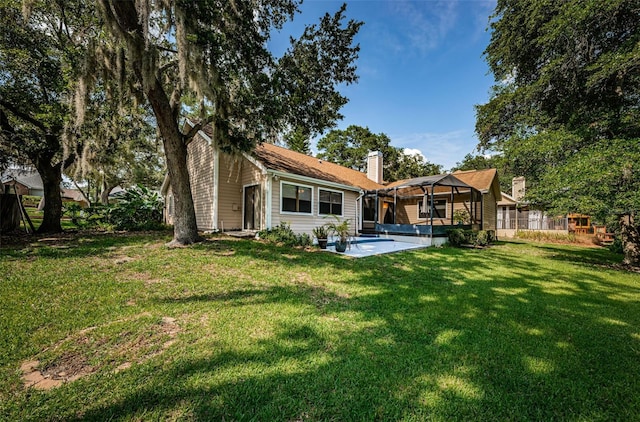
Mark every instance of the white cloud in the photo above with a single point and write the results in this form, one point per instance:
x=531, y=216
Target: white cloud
x=445, y=149
x=414, y=151
x=427, y=23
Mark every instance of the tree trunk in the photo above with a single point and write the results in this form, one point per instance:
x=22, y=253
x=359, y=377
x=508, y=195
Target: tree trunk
x=106, y=190
x=630, y=236
x=185, y=229
x=51, y=179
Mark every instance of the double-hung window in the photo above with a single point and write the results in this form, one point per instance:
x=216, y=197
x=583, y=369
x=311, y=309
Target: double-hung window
x=330, y=202
x=439, y=208
x=296, y=198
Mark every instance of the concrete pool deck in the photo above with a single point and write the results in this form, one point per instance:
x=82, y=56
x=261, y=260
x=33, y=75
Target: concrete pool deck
x=368, y=246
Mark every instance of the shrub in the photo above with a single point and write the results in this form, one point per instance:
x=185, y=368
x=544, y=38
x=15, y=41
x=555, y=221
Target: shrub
x=616, y=246
x=139, y=209
x=284, y=235
x=482, y=238
x=456, y=237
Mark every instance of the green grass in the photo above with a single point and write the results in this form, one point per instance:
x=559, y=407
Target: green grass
x=513, y=332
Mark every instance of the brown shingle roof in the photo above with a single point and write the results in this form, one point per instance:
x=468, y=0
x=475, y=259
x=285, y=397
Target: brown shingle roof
x=479, y=179
x=281, y=159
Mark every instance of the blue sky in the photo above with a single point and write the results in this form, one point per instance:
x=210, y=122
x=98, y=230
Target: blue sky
x=421, y=71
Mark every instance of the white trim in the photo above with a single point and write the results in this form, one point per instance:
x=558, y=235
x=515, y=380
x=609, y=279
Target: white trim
x=268, y=194
x=216, y=186
x=331, y=190
x=313, y=180
x=255, y=162
x=311, y=214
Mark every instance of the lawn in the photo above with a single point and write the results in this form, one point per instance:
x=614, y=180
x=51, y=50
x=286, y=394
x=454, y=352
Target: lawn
x=241, y=330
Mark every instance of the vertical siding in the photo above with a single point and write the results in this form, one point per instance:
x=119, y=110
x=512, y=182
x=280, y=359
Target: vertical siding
x=305, y=223
x=229, y=193
x=490, y=211
x=200, y=164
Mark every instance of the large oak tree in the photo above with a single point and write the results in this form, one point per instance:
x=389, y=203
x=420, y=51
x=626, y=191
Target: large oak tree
x=566, y=105
x=218, y=51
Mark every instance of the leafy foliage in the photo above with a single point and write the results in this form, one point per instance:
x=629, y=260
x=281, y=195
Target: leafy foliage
x=139, y=209
x=283, y=234
x=351, y=146
x=564, y=111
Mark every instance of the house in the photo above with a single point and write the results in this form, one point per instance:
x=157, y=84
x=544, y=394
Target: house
x=514, y=214
x=424, y=208
x=25, y=182
x=274, y=185
x=265, y=188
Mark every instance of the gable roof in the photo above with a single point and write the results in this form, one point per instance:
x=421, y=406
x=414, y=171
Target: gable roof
x=29, y=178
x=507, y=199
x=483, y=180
x=284, y=160
x=438, y=179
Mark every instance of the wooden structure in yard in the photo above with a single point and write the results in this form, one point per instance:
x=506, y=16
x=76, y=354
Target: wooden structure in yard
x=579, y=224
x=9, y=213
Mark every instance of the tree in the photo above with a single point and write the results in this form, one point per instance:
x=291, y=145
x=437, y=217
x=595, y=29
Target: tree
x=38, y=54
x=119, y=148
x=413, y=165
x=298, y=140
x=351, y=146
x=568, y=84
x=218, y=51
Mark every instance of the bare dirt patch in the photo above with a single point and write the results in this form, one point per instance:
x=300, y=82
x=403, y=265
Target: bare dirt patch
x=114, y=346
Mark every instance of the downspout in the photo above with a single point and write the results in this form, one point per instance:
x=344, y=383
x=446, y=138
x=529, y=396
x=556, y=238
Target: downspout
x=216, y=183
x=268, y=201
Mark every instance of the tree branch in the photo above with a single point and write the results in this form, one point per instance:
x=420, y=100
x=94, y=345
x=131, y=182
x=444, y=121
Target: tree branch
x=197, y=128
x=23, y=116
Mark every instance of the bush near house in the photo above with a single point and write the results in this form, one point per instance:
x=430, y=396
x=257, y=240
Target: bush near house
x=460, y=237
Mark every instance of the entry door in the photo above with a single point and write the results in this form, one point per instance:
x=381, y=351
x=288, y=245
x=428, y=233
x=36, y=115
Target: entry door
x=252, y=207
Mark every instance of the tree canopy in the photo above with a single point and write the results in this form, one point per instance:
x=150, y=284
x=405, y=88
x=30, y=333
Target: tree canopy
x=350, y=147
x=565, y=107
x=218, y=52
x=39, y=53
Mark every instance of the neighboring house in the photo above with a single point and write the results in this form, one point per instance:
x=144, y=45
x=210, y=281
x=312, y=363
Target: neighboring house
x=514, y=214
x=25, y=182
x=74, y=196
x=274, y=185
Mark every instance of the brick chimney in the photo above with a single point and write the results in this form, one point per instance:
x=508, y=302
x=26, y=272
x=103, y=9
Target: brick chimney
x=374, y=166
x=518, y=188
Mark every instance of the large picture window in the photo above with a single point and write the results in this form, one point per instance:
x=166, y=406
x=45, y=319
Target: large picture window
x=296, y=198
x=330, y=202
x=439, y=208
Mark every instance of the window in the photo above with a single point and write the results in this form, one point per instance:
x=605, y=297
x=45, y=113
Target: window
x=296, y=198
x=439, y=208
x=330, y=202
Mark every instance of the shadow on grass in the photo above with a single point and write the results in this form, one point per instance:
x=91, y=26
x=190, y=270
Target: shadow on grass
x=441, y=334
